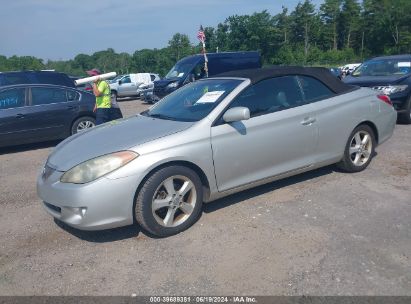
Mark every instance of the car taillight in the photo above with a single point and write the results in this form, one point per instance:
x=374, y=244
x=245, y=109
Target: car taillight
x=385, y=98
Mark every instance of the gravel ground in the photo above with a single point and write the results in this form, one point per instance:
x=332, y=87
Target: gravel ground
x=318, y=233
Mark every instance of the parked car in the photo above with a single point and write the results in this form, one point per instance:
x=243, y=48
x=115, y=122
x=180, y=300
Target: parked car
x=46, y=77
x=390, y=75
x=39, y=112
x=132, y=85
x=191, y=68
x=349, y=68
x=211, y=138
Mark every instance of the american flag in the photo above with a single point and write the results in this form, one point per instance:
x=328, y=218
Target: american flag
x=200, y=35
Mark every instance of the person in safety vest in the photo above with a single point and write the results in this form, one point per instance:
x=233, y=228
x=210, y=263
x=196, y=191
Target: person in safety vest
x=101, y=90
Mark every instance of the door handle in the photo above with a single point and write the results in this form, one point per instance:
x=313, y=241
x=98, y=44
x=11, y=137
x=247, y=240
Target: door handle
x=20, y=115
x=308, y=121
x=71, y=107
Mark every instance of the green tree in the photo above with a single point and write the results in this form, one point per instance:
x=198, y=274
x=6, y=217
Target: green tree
x=349, y=23
x=282, y=25
x=303, y=21
x=180, y=46
x=330, y=13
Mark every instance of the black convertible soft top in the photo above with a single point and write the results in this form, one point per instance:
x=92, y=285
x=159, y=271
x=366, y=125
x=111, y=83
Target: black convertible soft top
x=322, y=74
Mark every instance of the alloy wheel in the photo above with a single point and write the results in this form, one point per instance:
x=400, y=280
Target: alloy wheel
x=174, y=201
x=360, y=148
x=83, y=125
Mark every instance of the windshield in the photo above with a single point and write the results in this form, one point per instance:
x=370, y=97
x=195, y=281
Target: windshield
x=194, y=101
x=118, y=77
x=383, y=67
x=179, y=70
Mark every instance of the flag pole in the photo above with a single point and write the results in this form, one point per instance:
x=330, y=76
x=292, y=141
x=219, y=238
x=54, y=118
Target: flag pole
x=205, y=60
x=201, y=36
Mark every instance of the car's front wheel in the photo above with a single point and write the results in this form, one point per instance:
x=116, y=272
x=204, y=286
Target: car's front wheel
x=169, y=201
x=82, y=124
x=114, y=95
x=359, y=150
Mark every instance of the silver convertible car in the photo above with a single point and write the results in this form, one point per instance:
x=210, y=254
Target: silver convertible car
x=211, y=138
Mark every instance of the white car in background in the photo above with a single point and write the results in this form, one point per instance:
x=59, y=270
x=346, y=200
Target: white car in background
x=132, y=85
x=349, y=68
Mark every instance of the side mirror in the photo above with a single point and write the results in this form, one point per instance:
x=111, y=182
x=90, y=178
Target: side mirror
x=236, y=114
x=120, y=82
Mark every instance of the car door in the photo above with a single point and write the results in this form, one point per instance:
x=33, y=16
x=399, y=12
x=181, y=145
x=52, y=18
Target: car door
x=50, y=112
x=335, y=117
x=14, y=128
x=126, y=87
x=279, y=137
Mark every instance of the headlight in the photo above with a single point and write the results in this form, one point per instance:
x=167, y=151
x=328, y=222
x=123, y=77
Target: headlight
x=391, y=89
x=172, y=85
x=97, y=167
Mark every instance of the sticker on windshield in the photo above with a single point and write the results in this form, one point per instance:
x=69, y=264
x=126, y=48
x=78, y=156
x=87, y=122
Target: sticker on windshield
x=210, y=97
x=180, y=75
x=404, y=64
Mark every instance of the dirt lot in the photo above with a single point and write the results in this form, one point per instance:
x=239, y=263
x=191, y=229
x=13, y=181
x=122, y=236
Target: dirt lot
x=319, y=233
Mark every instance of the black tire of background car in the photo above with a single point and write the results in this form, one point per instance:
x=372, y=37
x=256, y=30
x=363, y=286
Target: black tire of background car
x=75, y=124
x=114, y=95
x=143, y=204
x=346, y=164
x=406, y=116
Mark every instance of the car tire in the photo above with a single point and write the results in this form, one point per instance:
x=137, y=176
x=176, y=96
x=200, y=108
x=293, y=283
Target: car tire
x=114, y=95
x=82, y=123
x=169, y=201
x=359, y=150
x=406, y=116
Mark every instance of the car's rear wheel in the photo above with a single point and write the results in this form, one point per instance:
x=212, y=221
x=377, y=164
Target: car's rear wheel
x=359, y=150
x=169, y=201
x=82, y=123
x=406, y=116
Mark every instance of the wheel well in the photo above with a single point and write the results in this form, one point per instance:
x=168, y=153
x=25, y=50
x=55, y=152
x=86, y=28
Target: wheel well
x=372, y=126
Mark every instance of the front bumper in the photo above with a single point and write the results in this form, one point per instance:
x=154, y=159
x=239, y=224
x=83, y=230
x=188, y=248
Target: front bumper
x=102, y=204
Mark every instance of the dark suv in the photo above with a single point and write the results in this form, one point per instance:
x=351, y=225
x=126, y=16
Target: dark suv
x=40, y=112
x=390, y=75
x=46, y=77
x=191, y=68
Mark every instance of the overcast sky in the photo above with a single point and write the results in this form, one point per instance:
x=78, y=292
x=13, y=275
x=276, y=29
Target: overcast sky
x=61, y=29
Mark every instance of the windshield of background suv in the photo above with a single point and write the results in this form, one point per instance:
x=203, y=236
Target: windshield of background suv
x=118, y=77
x=384, y=67
x=179, y=70
x=194, y=101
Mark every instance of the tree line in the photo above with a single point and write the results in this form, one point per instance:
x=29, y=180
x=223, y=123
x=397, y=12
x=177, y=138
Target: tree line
x=338, y=32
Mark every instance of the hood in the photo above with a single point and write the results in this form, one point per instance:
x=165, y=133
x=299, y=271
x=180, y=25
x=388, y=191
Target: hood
x=165, y=82
x=369, y=81
x=113, y=136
